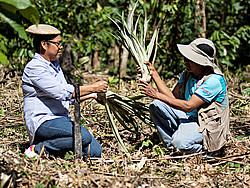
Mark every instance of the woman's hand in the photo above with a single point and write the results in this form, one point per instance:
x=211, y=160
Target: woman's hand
x=138, y=68
x=89, y=96
x=87, y=90
x=148, y=90
x=100, y=87
x=100, y=98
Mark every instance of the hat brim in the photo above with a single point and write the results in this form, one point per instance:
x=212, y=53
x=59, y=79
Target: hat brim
x=189, y=53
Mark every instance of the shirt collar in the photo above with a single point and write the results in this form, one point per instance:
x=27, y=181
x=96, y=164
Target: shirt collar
x=54, y=64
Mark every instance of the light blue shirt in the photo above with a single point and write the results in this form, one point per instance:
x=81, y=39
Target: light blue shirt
x=46, y=94
x=213, y=89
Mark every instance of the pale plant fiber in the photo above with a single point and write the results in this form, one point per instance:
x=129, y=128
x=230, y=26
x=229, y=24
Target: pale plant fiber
x=135, y=42
x=124, y=109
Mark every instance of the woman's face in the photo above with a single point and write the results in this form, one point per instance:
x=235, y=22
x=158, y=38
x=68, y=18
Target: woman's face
x=53, y=48
x=194, y=68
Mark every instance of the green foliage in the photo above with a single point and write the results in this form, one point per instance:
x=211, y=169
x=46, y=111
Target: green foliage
x=228, y=46
x=25, y=7
x=147, y=143
x=69, y=156
x=41, y=184
x=228, y=26
x=176, y=24
x=233, y=165
x=86, y=28
x=113, y=80
x=13, y=14
x=246, y=92
x=159, y=151
x=83, y=24
x=2, y=111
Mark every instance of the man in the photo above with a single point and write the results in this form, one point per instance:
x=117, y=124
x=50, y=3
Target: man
x=47, y=97
x=195, y=115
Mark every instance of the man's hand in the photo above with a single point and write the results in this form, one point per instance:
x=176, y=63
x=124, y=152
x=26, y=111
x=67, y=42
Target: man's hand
x=151, y=68
x=148, y=90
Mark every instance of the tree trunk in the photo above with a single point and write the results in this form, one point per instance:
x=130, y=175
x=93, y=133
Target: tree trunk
x=96, y=62
x=200, y=14
x=114, y=57
x=125, y=53
x=67, y=64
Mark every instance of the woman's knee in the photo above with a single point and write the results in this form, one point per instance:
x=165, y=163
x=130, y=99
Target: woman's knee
x=187, y=147
x=95, y=149
x=98, y=151
x=86, y=136
x=158, y=106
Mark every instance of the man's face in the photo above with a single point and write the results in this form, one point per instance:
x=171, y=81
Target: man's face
x=194, y=68
x=54, y=48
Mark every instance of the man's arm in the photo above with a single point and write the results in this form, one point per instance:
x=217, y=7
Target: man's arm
x=186, y=106
x=158, y=81
x=176, y=91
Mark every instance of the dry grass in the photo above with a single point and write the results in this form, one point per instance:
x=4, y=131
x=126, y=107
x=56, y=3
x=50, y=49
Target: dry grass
x=150, y=165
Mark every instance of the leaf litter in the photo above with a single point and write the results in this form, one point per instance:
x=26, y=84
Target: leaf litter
x=150, y=164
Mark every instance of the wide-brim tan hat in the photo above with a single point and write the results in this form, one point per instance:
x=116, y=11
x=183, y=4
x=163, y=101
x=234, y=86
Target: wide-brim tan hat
x=195, y=54
x=43, y=29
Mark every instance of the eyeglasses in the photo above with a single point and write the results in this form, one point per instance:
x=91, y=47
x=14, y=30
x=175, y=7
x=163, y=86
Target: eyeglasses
x=58, y=44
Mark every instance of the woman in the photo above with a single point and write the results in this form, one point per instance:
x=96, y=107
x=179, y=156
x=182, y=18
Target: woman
x=47, y=97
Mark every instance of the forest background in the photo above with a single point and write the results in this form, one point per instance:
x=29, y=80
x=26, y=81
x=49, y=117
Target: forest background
x=90, y=48
x=88, y=31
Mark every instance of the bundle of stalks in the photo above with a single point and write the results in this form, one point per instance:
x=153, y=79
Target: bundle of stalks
x=125, y=110
x=135, y=42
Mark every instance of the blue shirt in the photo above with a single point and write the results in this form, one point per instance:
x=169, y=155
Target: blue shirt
x=213, y=89
x=46, y=94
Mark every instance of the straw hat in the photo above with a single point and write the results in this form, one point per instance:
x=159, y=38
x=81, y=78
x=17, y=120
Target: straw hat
x=43, y=29
x=197, y=55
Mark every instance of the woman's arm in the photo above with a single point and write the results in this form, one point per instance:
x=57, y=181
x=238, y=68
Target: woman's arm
x=97, y=87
